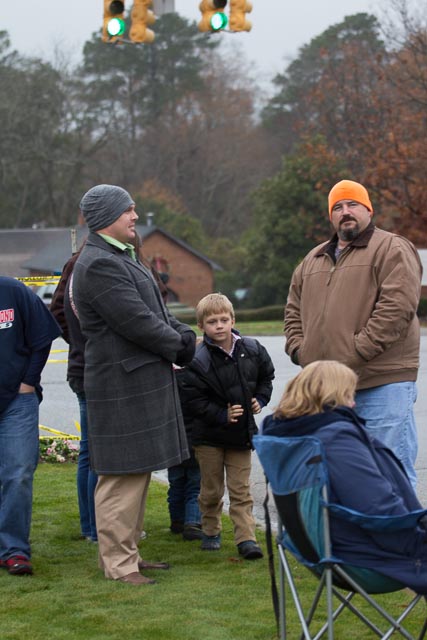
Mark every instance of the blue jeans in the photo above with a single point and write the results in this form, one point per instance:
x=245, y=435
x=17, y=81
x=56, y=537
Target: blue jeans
x=183, y=492
x=389, y=414
x=19, y=453
x=86, y=479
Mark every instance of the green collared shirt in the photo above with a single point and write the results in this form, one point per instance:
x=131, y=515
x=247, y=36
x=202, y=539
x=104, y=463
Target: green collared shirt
x=129, y=248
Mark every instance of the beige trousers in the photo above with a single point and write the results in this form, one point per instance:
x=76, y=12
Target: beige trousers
x=119, y=509
x=213, y=462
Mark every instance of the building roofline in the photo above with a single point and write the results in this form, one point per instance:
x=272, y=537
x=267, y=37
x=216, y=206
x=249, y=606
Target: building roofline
x=146, y=231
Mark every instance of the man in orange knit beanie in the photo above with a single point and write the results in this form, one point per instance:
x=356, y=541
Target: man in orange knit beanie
x=354, y=299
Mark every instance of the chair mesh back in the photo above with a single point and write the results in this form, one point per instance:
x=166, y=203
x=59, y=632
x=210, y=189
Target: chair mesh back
x=296, y=470
x=297, y=474
x=294, y=536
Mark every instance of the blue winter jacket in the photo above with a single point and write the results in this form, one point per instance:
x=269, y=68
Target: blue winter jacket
x=27, y=329
x=364, y=476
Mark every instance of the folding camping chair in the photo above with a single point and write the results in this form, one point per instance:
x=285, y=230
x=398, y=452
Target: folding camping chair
x=297, y=472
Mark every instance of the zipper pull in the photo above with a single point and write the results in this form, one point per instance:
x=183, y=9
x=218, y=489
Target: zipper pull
x=330, y=275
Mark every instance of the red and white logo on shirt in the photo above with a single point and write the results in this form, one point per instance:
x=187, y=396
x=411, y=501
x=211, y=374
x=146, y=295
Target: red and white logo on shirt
x=7, y=317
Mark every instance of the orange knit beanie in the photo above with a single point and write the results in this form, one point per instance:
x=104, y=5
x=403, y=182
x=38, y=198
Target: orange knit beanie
x=348, y=190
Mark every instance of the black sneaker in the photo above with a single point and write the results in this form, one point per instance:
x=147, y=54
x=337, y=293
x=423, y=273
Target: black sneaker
x=176, y=526
x=211, y=543
x=192, y=531
x=249, y=550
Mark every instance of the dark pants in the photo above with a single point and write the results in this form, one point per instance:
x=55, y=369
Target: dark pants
x=183, y=493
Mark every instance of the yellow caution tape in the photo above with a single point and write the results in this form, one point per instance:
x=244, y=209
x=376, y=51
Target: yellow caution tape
x=37, y=278
x=60, y=434
x=38, y=281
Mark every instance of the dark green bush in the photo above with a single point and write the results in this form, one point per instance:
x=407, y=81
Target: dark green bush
x=188, y=318
x=422, y=309
x=263, y=314
x=272, y=312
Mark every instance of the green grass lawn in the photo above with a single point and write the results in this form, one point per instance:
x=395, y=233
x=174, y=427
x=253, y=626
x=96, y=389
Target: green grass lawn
x=204, y=596
x=271, y=328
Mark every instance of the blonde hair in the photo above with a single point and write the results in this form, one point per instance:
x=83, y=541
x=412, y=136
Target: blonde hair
x=324, y=383
x=213, y=303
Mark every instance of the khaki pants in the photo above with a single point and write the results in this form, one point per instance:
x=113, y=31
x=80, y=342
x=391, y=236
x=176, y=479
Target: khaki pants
x=119, y=509
x=236, y=464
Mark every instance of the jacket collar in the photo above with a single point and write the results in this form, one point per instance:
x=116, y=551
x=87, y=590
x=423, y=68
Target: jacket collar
x=361, y=241
x=235, y=336
x=308, y=425
x=98, y=241
x=203, y=349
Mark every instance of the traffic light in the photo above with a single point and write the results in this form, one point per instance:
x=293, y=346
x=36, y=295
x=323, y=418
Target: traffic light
x=213, y=16
x=141, y=16
x=114, y=22
x=238, y=11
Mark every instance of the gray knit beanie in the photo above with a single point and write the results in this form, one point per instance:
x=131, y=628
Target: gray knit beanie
x=103, y=204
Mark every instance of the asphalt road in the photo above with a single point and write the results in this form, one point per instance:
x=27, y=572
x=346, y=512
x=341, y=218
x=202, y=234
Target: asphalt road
x=59, y=409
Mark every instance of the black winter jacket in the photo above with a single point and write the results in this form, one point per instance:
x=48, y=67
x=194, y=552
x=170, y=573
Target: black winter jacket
x=213, y=380
x=68, y=321
x=191, y=462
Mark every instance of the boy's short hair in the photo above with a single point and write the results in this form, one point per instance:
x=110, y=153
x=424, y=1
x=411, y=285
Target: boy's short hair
x=213, y=303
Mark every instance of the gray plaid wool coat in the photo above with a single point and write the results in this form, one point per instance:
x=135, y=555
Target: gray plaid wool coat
x=134, y=416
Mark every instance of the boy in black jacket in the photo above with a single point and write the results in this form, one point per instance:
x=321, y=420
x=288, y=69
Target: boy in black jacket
x=229, y=380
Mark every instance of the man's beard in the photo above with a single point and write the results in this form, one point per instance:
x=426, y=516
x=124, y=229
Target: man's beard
x=347, y=235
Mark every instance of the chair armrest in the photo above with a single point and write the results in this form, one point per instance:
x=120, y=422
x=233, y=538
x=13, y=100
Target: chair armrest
x=379, y=523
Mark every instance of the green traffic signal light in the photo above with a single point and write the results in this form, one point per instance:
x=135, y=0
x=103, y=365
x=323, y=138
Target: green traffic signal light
x=116, y=27
x=213, y=16
x=219, y=21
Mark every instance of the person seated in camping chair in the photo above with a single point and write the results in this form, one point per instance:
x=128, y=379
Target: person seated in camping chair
x=363, y=474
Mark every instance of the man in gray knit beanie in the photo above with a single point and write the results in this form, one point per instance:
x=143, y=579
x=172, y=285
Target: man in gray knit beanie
x=103, y=204
x=135, y=423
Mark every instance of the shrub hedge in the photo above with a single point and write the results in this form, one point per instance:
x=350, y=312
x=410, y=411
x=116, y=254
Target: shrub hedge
x=263, y=314
x=273, y=312
x=422, y=309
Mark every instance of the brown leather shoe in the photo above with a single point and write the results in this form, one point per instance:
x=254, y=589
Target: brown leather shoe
x=142, y=564
x=136, y=579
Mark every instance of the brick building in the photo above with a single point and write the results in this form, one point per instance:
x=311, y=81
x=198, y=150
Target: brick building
x=189, y=273
x=423, y=256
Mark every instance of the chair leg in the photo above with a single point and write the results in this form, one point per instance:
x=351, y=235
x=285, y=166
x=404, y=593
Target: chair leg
x=395, y=623
x=282, y=602
x=345, y=603
x=398, y=626
x=424, y=629
x=294, y=593
x=326, y=582
x=329, y=603
x=336, y=613
x=316, y=599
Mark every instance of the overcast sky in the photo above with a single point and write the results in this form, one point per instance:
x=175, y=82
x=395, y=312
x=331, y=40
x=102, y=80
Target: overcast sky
x=279, y=28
